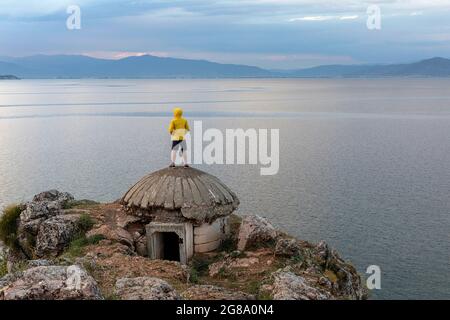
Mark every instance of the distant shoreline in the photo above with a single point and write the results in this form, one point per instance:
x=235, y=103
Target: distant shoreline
x=153, y=67
x=8, y=77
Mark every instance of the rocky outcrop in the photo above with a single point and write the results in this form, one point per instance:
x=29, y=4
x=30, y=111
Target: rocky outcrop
x=39, y=263
x=50, y=283
x=55, y=234
x=289, y=286
x=44, y=206
x=348, y=282
x=288, y=248
x=255, y=231
x=258, y=262
x=209, y=292
x=144, y=288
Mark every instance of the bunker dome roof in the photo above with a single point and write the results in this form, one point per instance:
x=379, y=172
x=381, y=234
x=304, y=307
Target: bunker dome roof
x=197, y=194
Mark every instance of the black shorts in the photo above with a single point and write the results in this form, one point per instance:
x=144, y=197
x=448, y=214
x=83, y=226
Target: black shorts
x=179, y=144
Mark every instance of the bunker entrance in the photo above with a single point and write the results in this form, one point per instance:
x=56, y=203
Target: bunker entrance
x=170, y=246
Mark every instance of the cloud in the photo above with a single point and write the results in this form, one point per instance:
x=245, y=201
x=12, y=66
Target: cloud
x=324, y=18
x=312, y=18
x=349, y=17
x=268, y=33
x=269, y=9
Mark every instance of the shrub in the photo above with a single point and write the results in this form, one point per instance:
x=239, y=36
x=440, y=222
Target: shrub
x=200, y=264
x=8, y=225
x=199, y=267
x=85, y=223
x=193, y=276
x=228, y=244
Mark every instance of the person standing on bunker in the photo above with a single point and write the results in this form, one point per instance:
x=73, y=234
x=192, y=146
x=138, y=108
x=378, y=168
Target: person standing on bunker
x=178, y=129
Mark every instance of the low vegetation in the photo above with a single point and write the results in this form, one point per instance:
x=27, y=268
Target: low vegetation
x=3, y=267
x=8, y=225
x=77, y=245
x=84, y=224
x=228, y=245
x=200, y=265
x=79, y=204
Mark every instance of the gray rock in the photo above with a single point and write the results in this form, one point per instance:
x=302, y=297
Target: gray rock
x=50, y=283
x=53, y=195
x=145, y=288
x=17, y=262
x=55, y=234
x=8, y=279
x=209, y=292
x=44, y=206
x=288, y=248
x=39, y=263
x=348, y=284
x=289, y=286
x=141, y=246
x=255, y=231
x=322, y=251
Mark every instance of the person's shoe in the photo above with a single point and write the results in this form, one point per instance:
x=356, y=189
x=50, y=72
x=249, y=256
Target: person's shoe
x=172, y=165
x=186, y=166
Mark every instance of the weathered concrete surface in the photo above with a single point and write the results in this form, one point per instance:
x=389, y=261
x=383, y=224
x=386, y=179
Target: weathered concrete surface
x=198, y=195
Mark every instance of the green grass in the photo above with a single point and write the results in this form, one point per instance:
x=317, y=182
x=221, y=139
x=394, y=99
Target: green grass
x=77, y=245
x=8, y=225
x=85, y=223
x=199, y=267
x=253, y=287
x=193, y=276
x=297, y=259
x=79, y=241
x=264, y=296
x=112, y=297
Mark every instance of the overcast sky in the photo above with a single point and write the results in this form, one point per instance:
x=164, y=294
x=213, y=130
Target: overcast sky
x=266, y=33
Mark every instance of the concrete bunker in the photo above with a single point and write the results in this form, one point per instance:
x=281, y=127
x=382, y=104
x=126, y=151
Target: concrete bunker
x=185, y=211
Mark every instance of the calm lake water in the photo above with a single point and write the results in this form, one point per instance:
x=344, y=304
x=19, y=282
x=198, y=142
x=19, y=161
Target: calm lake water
x=364, y=164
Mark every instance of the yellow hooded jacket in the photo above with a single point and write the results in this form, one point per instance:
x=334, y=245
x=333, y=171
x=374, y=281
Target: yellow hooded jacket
x=178, y=126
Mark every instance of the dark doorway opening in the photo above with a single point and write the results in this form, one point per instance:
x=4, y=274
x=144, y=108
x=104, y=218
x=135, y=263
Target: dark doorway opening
x=171, y=246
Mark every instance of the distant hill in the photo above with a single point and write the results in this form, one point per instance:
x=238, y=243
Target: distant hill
x=147, y=66
x=78, y=66
x=8, y=77
x=435, y=67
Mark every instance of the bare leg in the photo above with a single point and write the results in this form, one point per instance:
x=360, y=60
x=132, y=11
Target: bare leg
x=173, y=156
x=184, y=157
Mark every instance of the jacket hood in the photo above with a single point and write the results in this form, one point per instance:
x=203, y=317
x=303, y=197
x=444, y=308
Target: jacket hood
x=177, y=112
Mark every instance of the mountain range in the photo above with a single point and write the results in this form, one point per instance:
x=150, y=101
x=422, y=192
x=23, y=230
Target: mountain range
x=147, y=66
